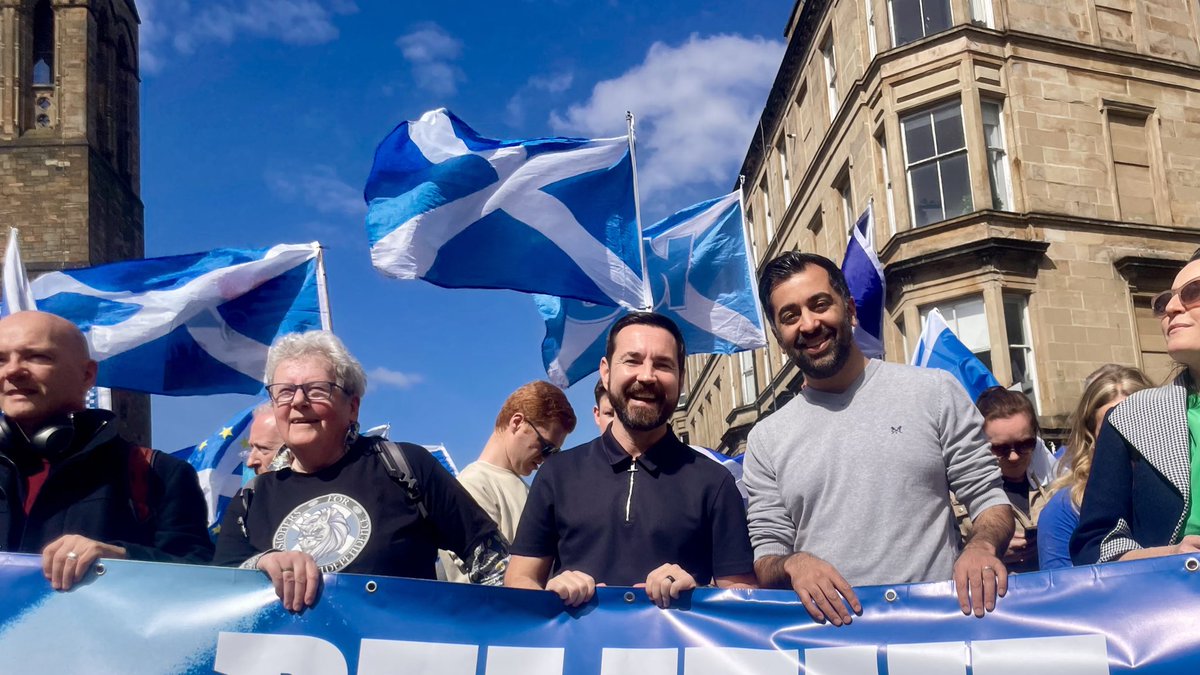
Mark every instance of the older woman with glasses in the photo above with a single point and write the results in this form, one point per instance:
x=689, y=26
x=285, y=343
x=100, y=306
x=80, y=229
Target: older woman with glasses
x=1141, y=499
x=343, y=505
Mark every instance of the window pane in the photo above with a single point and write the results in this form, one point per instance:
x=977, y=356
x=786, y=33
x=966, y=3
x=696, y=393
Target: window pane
x=986, y=358
x=970, y=323
x=906, y=21
x=991, y=124
x=937, y=16
x=926, y=195
x=918, y=138
x=948, y=128
x=1014, y=320
x=956, y=185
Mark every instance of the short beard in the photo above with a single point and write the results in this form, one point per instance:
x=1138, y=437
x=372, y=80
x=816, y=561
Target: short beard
x=640, y=421
x=830, y=364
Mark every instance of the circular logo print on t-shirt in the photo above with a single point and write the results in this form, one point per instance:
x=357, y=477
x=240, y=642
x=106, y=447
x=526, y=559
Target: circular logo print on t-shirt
x=333, y=529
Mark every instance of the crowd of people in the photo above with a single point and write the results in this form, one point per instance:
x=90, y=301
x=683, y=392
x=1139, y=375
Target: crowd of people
x=875, y=473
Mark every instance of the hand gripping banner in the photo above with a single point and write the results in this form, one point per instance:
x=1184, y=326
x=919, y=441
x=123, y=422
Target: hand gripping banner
x=156, y=618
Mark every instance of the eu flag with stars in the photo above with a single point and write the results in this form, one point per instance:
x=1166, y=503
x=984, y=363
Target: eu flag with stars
x=218, y=462
x=545, y=215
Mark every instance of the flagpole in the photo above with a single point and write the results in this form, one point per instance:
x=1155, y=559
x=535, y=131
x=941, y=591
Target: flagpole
x=647, y=297
x=323, y=290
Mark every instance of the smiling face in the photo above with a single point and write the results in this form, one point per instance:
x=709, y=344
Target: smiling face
x=315, y=432
x=1181, y=326
x=815, y=326
x=45, y=370
x=642, y=379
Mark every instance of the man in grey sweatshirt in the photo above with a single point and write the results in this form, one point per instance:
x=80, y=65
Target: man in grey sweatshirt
x=849, y=482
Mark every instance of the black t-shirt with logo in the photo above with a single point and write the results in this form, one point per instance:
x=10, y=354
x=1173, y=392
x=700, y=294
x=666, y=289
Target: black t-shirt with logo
x=353, y=517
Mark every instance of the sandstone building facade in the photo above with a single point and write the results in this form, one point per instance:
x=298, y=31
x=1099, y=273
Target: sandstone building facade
x=1033, y=169
x=69, y=157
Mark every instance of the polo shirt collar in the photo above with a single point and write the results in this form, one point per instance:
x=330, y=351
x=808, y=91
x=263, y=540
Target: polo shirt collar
x=650, y=459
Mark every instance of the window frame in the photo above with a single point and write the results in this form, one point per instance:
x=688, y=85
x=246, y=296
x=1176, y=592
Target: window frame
x=936, y=158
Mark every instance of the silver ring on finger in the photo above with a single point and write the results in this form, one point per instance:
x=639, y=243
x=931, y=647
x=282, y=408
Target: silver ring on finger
x=72, y=555
x=989, y=568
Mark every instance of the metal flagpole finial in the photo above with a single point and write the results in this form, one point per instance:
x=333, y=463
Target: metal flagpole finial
x=741, y=181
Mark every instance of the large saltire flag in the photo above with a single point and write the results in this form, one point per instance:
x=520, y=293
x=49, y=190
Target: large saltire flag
x=189, y=324
x=543, y=215
x=865, y=277
x=218, y=462
x=940, y=348
x=700, y=277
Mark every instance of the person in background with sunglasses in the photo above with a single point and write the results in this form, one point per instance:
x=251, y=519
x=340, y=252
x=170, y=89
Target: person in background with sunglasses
x=531, y=426
x=1141, y=499
x=636, y=506
x=340, y=507
x=1011, y=426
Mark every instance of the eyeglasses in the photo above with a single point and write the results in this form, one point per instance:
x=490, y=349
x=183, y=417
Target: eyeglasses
x=314, y=392
x=1189, y=297
x=548, y=448
x=1023, y=447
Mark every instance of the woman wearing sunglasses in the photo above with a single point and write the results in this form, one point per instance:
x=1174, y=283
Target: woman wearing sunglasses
x=339, y=508
x=1137, y=503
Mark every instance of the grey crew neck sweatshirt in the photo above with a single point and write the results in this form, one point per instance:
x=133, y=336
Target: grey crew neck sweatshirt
x=862, y=478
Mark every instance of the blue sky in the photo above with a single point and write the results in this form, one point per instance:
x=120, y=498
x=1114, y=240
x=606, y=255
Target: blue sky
x=260, y=120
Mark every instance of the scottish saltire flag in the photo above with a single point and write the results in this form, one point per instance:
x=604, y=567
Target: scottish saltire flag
x=939, y=347
x=732, y=464
x=189, y=324
x=864, y=276
x=17, y=295
x=700, y=277
x=218, y=462
x=442, y=455
x=544, y=215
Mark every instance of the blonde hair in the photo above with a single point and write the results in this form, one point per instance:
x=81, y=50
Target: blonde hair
x=1103, y=389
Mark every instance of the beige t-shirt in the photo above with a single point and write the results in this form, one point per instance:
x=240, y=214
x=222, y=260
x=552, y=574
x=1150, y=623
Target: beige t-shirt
x=501, y=494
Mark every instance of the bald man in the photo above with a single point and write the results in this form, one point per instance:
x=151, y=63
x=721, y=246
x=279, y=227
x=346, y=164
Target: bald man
x=264, y=441
x=73, y=489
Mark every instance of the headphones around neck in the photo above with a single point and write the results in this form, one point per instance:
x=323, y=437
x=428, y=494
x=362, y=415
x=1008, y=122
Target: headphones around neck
x=54, y=439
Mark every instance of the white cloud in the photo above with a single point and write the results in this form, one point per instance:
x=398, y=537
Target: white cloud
x=697, y=105
x=181, y=27
x=431, y=52
x=393, y=378
x=318, y=187
x=538, y=85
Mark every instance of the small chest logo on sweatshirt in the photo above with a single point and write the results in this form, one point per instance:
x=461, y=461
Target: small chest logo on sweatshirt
x=897, y=430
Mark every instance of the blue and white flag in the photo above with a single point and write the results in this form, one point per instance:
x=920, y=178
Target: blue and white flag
x=17, y=295
x=218, y=462
x=442, y=455
x=700, y=277
x=865, y=277
x=189, y=324
x=732, y=464
x=940, y=348
x=545, y=215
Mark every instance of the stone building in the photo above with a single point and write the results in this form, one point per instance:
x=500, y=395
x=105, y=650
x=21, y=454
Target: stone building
x=69, y=158
x=1033, y=168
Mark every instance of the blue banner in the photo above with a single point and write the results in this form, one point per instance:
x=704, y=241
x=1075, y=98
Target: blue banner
x=154, y=618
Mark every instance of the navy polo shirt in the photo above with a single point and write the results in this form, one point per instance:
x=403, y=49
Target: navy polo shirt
x=596, y=510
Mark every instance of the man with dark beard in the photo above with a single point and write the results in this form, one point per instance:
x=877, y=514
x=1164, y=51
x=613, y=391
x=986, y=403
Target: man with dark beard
x=635, y=507
x=849, y=482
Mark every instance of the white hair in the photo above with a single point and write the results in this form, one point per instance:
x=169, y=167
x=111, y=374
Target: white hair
x=321, y=344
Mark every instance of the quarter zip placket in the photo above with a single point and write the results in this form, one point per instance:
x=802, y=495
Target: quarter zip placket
x=629, y=497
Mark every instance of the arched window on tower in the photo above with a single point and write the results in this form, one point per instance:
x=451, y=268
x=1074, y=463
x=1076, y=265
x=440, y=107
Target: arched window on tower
x=43, y=44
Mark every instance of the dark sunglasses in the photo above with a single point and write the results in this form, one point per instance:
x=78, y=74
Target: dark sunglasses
x=1020, y=447
x=1189, y=297
x=548, y=448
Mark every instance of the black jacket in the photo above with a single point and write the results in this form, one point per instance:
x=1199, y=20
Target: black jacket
x=1137, y=494
x=88, y=492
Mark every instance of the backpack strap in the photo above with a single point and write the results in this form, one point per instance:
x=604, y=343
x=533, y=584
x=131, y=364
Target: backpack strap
x=246, y=494
x=141, y=463
x=398, y=468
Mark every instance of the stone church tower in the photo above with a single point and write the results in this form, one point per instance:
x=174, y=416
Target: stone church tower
x=69, y=142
